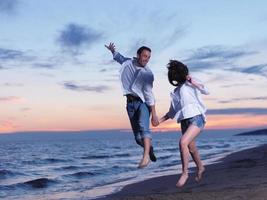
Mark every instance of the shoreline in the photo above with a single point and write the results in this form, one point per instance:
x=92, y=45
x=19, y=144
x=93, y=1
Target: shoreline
x=240, y=175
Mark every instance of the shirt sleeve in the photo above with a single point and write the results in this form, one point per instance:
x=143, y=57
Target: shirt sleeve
x=171, y=113
x=172, y=110
x=203, y=89
x=148, y=79
x=119, y=58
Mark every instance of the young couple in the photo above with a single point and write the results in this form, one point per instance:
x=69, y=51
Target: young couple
x=186, y=106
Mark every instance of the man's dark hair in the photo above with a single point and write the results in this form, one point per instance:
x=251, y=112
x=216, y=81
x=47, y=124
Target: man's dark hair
x=177, y=72
x=141, y=49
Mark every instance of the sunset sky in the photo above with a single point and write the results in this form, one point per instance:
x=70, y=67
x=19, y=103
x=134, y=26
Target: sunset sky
x=56, y=74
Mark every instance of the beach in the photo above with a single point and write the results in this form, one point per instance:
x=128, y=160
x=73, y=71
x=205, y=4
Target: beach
x=97, y=165
x=241, y=175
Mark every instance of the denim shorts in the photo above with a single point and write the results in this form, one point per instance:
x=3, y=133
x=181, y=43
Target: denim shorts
x=197, y=120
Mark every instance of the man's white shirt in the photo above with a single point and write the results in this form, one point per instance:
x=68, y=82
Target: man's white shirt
x=135, y=80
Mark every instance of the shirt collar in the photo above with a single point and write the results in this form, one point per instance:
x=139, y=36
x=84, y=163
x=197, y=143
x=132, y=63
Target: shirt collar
x=136, y=63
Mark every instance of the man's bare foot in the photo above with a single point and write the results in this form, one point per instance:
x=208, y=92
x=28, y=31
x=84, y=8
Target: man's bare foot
x=182, y=180
x=200, y=174
x=144, y=162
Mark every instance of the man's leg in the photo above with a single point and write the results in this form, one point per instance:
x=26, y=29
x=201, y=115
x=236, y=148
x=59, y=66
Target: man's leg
x=152, y=156
x=145, y=160
x=144, y=122
x=132, y=111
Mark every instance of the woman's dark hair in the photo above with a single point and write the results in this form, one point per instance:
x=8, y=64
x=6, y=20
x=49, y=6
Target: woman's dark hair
x=177, y=72
x=141, y=49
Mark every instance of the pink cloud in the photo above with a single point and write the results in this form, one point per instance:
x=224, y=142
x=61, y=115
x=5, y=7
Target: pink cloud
x=7, y=126
x=12, y=99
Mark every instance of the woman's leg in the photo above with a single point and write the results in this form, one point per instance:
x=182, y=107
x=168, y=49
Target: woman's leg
x=196, y=157
x=190, y=134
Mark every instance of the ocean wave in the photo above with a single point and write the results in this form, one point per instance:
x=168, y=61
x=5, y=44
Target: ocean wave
x=222, y=146
x=121, y=168
x=81, y=174
x=106, y=156
x=4, y=173
x=170, y=164
x=71, y=167
x=165, y=157
x=205, y=147
x=95, y=157
x=44, y=161
x=54, y=160
x=121, y=155
x=171, y=149
x=38, y=183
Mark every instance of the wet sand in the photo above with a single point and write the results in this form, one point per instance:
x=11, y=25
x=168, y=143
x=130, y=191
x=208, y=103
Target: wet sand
x=241, y=175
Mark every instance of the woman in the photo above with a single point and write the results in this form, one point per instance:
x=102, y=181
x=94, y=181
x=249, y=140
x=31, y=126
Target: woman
x=188, y=109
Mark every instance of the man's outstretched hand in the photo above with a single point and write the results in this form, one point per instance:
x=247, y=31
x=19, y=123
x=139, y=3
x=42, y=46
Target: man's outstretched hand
x=111, y=47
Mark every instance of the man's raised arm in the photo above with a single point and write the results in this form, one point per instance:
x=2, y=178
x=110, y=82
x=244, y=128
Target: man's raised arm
x=116, y=55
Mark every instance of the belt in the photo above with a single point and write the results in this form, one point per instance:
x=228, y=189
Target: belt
x=131, y=98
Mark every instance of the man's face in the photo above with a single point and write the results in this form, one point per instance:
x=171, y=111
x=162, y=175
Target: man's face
x=144, y=57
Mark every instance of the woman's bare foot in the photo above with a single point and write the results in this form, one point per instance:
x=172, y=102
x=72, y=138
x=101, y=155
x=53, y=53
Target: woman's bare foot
x=144, y=162
x=182, y=180
x=199, y=174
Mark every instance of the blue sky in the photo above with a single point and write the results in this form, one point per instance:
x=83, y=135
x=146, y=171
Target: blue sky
x=55, y=73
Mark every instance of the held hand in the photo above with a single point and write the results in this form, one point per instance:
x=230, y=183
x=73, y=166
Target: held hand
x=155, y=121
x=193, y=82
x=111, y=47
x=163, y=119
x=189, y=78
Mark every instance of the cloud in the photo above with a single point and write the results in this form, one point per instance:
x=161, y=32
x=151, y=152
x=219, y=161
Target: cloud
x=228, y=111
x=6, y=126
x=234, y=85
x=162, y=41
x=9, y=54
x=256, y=69
x=8, y=6
x=212, y=56
x=218, y=52
x=11, y=99
x=199, y=65
x=14, y=58
x=25, y=109
x=12, y=85
x=74, y=37
x=103, y=70
x=47, y=75
x=44, y=65
x=75, y=87
x=136, y=45
x=244, y=99
x=178, y=33
x=169, y=33
x=172, y=29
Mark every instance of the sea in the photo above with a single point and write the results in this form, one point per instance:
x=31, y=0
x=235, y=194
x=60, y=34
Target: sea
x=93, y=164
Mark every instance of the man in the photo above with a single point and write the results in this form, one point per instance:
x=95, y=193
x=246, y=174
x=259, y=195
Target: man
x=137, y=83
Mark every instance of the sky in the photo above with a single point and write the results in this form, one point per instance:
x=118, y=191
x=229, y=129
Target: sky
x=56, y=74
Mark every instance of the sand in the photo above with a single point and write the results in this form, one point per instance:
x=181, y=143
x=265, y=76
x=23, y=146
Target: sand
x=241, y=175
